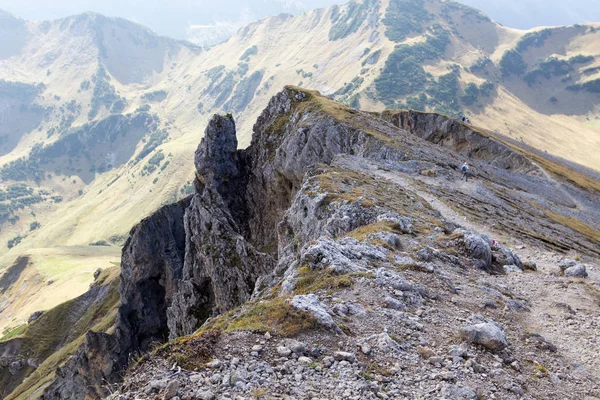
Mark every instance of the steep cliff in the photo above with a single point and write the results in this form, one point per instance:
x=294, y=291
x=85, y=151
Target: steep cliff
x=331, y=200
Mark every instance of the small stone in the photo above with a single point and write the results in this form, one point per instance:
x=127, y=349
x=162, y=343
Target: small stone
x=305, y=360
x=394, y=304
x=328, y=361
x=564, y=264
x=171, y=390
x=489, y=303
x=207, y=395
x=516, y=366
x=529, y=266
x=295, y=346
x=216, y=378
x=448, y=376
x=365, y=348
x=318, y=351
x=344, y=356
x=436, y=360
x=340, y=309
x=283, y=351
x=216, y=363
x=458, y=351
x=267, y=335
x=257, y=348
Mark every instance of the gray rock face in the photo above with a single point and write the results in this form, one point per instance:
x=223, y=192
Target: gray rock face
x=98, y=360
x=216, y=156
x=201, y=256
x=221, y=266
x=486, y=333
x=461, y=138
x=151, y=266
x=34, y=316
x=257, y=215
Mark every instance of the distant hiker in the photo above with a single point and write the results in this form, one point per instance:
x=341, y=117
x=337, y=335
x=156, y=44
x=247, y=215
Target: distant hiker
x=465, y=171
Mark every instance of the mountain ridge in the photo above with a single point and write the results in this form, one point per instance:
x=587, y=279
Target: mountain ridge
x=355, y=197
x=179, y=88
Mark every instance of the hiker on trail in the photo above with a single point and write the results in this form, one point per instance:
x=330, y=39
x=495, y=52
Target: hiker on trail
x=465, y=171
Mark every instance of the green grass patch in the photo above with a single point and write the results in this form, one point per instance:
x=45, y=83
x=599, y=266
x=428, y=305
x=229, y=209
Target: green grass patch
x=312, y=280
x=10, y=333
x=276, y=316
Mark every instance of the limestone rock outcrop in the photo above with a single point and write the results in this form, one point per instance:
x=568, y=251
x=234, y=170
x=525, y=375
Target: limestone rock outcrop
x=294, y=203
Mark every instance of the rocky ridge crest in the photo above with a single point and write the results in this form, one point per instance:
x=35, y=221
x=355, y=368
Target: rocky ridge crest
x=329, y=201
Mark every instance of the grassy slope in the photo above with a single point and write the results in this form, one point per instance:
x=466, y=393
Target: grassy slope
x=70, y=270
x=57, y=334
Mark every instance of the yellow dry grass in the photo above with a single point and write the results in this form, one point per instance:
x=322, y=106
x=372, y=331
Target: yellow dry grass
x=70, y=271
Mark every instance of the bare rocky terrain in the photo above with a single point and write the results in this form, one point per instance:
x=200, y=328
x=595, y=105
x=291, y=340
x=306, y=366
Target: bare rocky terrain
x=341, y=256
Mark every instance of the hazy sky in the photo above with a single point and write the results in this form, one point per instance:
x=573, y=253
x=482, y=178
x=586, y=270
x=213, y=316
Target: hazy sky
x=173, y=17
x=166, y=17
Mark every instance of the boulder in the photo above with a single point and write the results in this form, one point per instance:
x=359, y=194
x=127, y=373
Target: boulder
x=344, y=356
x=283, y=351
x=295, y=346
x=576, y=271
x=504, y=256
x=404, y=224
x=486, y=333
x=319, y=311
x=479, y=250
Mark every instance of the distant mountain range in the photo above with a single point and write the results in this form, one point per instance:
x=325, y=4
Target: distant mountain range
x=208, y=22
